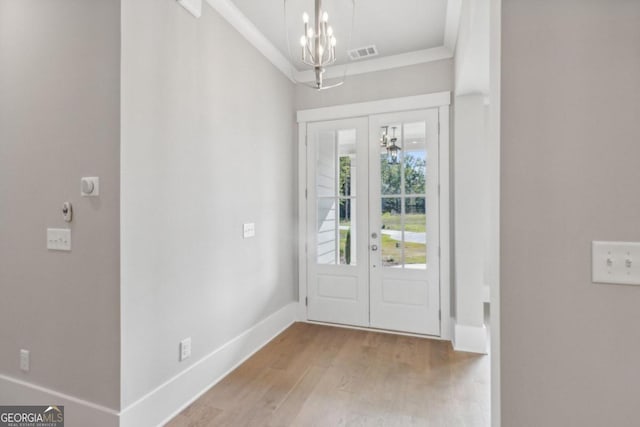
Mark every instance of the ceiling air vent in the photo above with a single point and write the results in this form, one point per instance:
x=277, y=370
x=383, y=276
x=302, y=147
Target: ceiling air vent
x=363, y=52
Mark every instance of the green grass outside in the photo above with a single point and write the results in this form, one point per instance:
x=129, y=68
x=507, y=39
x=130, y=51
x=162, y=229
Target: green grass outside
x=412, y=222
x=414, y=253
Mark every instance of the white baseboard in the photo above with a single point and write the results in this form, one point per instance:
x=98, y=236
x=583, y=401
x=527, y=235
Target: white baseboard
x=472, y=339
x=77, y=412
x=169, y=399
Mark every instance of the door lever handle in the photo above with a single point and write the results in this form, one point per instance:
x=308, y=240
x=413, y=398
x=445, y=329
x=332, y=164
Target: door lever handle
x=374, y=247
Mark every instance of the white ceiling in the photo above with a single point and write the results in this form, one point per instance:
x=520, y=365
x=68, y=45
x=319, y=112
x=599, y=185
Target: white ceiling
x=394, y=26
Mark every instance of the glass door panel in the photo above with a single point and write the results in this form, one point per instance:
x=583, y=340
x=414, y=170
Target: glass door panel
x=404, y=284
x=338, y=279
x=403, y=190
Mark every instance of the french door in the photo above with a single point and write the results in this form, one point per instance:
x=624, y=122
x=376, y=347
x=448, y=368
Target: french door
x=372, y=225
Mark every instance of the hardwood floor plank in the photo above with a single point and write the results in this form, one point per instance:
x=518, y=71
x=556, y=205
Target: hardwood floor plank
x=313, y=375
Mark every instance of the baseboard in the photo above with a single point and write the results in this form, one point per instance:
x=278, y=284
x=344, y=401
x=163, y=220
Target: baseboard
x=472, y=339
x=77, y=412
x=368, y=329
x=170, y=398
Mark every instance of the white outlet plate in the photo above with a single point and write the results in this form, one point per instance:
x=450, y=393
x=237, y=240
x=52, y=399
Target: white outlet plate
x=616, y=262
x=24, y=360
x=249, y=230
x=185, y=349
x=59, y=239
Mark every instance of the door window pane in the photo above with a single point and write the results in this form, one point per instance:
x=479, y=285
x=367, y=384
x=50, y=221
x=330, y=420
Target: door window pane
x=390, y=170
x=415, y=233
x=335, y=191
x=415, y=158
x=347, y=162
x=326, y=164
x=326, y=236
x=391, y=233
x=348, y=236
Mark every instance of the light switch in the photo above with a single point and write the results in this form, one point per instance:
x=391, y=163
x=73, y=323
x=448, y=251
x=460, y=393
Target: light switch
x=59, y=239
x=616, y=262
x=249, y=230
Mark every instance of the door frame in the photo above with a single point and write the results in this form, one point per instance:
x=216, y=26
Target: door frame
x=439, y=100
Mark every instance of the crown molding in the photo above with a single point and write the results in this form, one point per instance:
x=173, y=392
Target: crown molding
x=244, y=26
x=249, y=31
x=380, y=64
x=193, y=6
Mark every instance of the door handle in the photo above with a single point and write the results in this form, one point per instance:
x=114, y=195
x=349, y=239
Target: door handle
x=374, y=247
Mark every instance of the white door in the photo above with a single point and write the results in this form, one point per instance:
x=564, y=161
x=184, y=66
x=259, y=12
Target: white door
x=373, y=230
x=404, y=223
x=338, y=259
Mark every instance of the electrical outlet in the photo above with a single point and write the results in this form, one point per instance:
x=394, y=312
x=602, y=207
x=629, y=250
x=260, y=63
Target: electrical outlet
x=24, y=360
x=185, y=349
x=249, y=230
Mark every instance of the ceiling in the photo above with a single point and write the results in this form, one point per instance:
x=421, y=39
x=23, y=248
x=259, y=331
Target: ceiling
x=394, y=26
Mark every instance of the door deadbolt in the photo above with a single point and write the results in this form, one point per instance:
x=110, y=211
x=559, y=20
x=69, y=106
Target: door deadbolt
x=374, y=235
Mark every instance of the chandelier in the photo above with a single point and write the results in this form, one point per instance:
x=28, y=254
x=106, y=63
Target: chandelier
x=318, y=43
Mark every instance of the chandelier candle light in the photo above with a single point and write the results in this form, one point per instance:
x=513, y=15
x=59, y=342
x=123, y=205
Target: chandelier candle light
x=318, y=43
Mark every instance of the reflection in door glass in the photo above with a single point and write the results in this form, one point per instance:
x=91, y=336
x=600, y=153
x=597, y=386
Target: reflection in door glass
x=326, y=231
x=390, y=170
x=415, y=235
x=391, y=233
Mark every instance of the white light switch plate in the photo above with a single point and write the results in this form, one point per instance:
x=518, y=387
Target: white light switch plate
x=616, y=262
x=249, y=230
x=59, y=239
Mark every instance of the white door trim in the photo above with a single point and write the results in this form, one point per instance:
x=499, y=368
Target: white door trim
x=442, y=101
x=384, y=106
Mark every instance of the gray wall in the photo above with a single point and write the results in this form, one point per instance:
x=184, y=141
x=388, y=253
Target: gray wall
x=59, y=121
x=406, y=81
x=571, y=170
x=207, y=144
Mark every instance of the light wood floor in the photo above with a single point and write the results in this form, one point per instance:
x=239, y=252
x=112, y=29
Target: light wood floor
x=313, y=375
